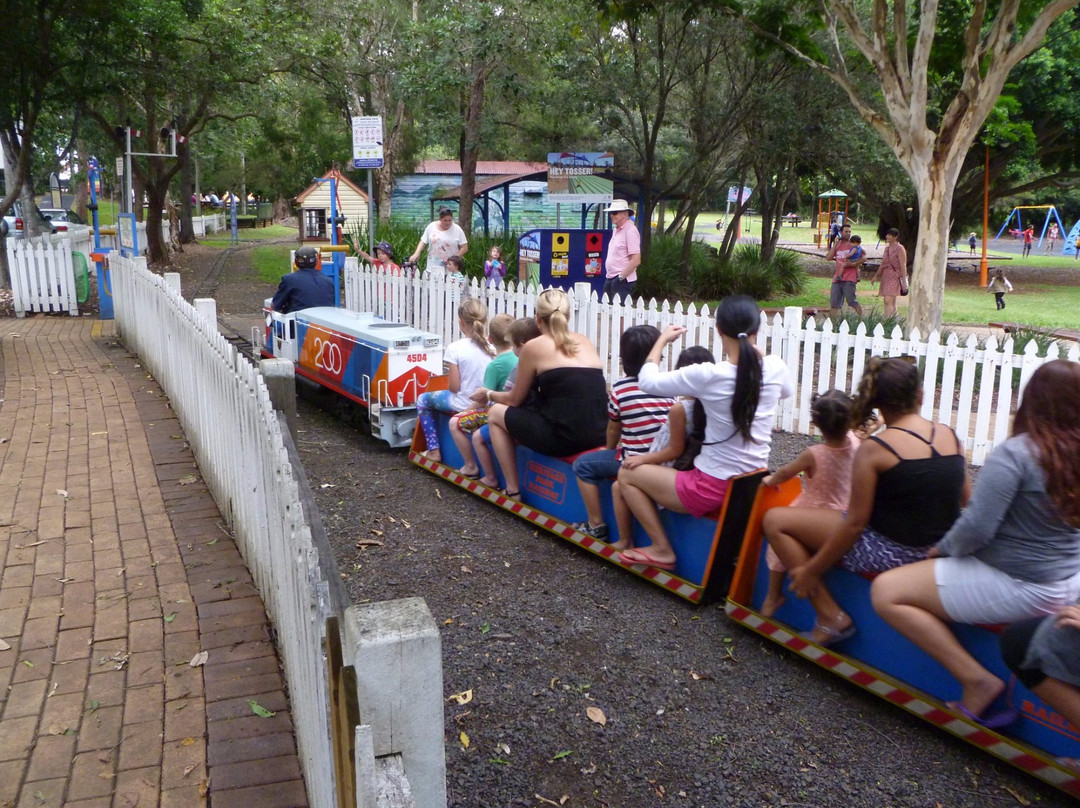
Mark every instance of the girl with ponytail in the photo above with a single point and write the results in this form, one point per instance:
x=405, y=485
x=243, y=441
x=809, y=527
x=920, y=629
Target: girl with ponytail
x=466, y=360
x=739, y=395
x=567, y=411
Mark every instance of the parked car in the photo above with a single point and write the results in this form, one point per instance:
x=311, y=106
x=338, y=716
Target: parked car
x=15, y=223
x=61, y=218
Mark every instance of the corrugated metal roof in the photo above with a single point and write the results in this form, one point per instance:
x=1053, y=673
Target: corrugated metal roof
x=484, y=167
x=485, y=185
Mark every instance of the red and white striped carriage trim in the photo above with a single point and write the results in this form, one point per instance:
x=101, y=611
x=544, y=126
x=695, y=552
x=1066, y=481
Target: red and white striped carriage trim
x=547, y=522
x=913, y=700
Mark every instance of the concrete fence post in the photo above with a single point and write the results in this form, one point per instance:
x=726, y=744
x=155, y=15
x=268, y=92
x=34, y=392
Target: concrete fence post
x=396, y=651
x=280, y=378
x=172, y=280
x=207, y=307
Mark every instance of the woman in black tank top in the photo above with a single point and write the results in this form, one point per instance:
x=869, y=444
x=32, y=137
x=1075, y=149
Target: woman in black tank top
x=908, y=486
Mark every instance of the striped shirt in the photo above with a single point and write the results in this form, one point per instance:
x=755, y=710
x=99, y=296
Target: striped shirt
x=640, y=414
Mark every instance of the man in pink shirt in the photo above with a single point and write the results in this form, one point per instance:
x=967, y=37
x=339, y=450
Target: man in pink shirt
x=623, y=254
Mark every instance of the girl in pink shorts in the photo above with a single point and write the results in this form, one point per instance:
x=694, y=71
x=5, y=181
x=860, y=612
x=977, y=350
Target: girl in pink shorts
x=740, y=395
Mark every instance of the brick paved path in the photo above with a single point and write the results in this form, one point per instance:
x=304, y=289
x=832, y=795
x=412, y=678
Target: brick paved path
x=115, y=570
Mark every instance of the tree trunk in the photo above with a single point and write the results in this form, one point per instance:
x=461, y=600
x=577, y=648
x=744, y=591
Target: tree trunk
x=82, y=186
x=470, y=146
x=931, y=252
x=138, y=187
x=31, y=224
x=156, y=250
x=187, y=189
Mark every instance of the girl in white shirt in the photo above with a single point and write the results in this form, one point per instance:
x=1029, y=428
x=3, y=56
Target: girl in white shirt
x=740, y=396
x=466, y=359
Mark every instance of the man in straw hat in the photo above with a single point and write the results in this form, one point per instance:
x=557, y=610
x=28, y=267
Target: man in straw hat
x=624, y=252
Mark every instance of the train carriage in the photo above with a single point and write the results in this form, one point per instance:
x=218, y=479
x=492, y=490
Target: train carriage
x=879, y=659
x=384, y=367
x=381, y=365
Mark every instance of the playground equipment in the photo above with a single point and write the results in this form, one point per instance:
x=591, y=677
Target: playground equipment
x=828, y=210
x=1051, y=213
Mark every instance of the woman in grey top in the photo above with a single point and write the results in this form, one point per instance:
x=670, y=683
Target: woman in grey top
x=1015, y=551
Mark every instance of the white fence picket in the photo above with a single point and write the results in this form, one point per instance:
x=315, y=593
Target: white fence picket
x=819, y=356
x=42, y=275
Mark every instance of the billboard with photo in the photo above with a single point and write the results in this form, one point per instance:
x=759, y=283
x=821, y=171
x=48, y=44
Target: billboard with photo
x=572, y=177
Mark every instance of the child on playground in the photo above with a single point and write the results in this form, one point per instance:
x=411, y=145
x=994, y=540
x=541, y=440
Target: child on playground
x=467, y=359
x=521, y=331
x=494, y=267
x=971, y=243
x=676, y=443
x=826, y=467
x=498, y=371
x=999, y=285
x=634, y=417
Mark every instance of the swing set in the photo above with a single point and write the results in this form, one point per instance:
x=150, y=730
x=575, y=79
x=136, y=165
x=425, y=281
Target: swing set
x=1051, y=214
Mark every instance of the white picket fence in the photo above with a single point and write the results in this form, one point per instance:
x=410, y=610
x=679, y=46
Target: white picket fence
x=223, y=405
x=42, y=275
x=972, y=387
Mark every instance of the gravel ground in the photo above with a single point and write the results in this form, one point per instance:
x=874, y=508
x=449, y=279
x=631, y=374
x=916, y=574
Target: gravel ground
x=584, y=686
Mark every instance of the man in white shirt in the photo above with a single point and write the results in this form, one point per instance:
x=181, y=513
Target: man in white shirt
x=442, y=238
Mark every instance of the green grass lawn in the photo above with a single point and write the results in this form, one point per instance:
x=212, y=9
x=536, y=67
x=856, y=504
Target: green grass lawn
x=1041, y=305
x=275, y=231
x=271, y=261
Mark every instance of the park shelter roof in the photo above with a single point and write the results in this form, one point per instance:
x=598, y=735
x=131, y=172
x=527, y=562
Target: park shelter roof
x=624, y=188
x=833, y=192
x=483, y=167
x=492, y=182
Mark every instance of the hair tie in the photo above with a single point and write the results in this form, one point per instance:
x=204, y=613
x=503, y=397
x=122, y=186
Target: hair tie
x=741, y=335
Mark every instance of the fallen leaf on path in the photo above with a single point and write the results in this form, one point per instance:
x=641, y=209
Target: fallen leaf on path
x=199, y=659
x=4, y=646
x=545, y=800
x=188, y=480
x=464, y=697
x=464, y=739
x=1020, y=798
x=370, y=542
x=259, y=710
x=504, y=748
x=596, y=715
x=61, y=492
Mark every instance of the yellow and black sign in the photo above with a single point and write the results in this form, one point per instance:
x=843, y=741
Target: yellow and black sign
x=560, y=255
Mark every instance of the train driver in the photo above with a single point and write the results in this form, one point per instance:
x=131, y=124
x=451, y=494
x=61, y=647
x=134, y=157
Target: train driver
x=304, y=288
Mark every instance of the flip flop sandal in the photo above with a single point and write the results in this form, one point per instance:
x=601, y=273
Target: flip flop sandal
x=992, y=721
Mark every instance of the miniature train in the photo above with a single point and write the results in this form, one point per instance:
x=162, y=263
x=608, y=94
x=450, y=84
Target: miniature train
x=722, y=558
x=385, y=366
x=380, y=365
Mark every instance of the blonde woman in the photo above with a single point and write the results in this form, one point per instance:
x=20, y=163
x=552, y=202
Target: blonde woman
x=566, y=412
x=467, y=359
